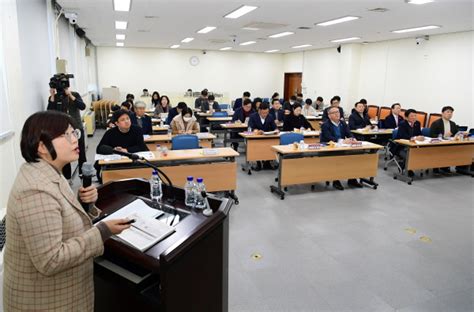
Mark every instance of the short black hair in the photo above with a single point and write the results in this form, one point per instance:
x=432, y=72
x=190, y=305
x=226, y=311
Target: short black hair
x=126, y=104
x=263, y=106
x=43, y=127
x=309, y=101
x=447, y=108
x=355, y=105
x=363, y=101
x=246, y=102
x=319, y=98
x=275, y=95
x=257, y=99
x=275, y=100
x=114, y=108
x=182, y=105
x=336, y=98
x=246, y=94
x=293, y=97
x=187, y=110
x=296, y=106
x=145, y=90
x=157, y=93
x=395, y=104
x=204, y=92
x=299, y=94
x=118, y=114
x=409, y=111
x=211, y=97
x=130, y=96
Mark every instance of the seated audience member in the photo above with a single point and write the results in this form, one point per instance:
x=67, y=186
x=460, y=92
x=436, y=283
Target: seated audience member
x=276, y=96
x=145, y=93
x=394, y=119
x=256, y=103
x=210, y=105
x=308, y=109
x=296, y=120
x=238, y=102
x=145, y=97
x=276, y=112
x=288, y=106
x=261, y=122
x=445, y=128
x=155, y=98
x=335, y=101
x=359, y=119
x=319, y=104
x=173, y=112
x=409, y=129
x=163, y=106
x=126, y=106
x=335, y=129
x=143, y=120
x=201, y=100
x=366, y=107
x=184, y=122
x=242, y=114
x=130, y=98
x=299, y=98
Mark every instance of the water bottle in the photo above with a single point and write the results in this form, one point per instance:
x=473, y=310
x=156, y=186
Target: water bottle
x=301, y=146
x=440, y=137
x=155, y=187
x=249, y=130
x=158, y=147
x=200, y=202
x=189, y=192
x=162, y=122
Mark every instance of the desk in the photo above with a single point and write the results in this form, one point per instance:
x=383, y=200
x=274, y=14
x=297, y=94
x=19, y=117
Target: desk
x=205, y=140
x=380, y=136
x=259, y=147
x=187, y=271
x=435, y=155
x=155, y=120
x=232, y=128
x=217, y=121
x=219, y=171
x=314, y=121
x=325, y=164
x=157, y=129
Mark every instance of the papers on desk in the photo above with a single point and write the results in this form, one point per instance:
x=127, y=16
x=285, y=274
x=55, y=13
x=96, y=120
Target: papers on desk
x=146, y=136
x=202, y=135
x=270, y=132
x=146, y=155
x=107, y=157
x=146, y=231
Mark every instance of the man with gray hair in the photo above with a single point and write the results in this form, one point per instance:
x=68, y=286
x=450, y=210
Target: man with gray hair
x=143, y=120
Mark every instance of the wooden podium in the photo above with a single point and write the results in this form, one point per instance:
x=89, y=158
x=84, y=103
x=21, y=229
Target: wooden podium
x=187, y=271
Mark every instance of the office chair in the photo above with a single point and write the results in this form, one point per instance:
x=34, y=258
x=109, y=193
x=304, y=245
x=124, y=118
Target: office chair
x=224, y=106
x=425, y=132
x=184, y=141
x=288, y=138
x=220, y=114
x=392, y=157
x=462, y=128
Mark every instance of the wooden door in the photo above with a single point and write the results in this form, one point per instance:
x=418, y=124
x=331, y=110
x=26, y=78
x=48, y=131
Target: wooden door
x=292, y=84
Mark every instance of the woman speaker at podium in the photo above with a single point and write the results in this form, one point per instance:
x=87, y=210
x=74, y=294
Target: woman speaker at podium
x=51, y=241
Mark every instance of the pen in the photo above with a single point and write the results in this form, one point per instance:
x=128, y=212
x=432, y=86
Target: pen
x=129, y=221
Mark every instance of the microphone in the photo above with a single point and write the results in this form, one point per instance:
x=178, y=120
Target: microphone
x=107, y=150
x=88, y=172
x=208, y=211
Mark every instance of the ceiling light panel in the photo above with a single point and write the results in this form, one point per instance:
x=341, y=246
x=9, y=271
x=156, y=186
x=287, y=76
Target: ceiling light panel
x=120, y=37
x=241, y=11
x=248, y=43
x=174, y=46
x=121, y=25
x=301, y=46
x=283, y=34
x=187, y=40
x=119, y=44
x=122, y=5
x=338, y=20
x=419, y=1
x=401, y=31
x=345, y=39
x=225, y=48
x=271, y=51
x=206, y=29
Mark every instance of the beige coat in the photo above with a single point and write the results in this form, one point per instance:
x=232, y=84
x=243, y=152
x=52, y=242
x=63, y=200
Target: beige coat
x=50, y=244
x=178, y=124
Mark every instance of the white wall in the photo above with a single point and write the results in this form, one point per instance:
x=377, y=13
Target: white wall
x=133, y=69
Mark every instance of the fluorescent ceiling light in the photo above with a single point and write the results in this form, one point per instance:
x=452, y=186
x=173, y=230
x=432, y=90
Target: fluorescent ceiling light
x=174, y=46
x=345, y=39
x=121, y=25
x=248, y=43
x=186, y=40
x=302, y=46
x=225, y=49
x=251, y=28
x=119, y=44
x=206, y=29
x=339, y=20
x=271, y=51
x=122, y=5
x=419, y=1
x=283, y=34
x=120, y=37
x=241, y=11
x=401, y=31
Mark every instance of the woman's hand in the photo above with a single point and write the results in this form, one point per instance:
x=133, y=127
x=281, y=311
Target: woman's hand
x=116, y=226
x=88, y=195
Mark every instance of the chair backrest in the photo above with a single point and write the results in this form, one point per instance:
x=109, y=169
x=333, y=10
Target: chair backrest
x=184, y=141
x=220, y=114
x=384, y=112
x=425, y=132
x=402, y=113
x=266, y=100
x=372, y=111
x=471, y=131
x=288, y=138
x=433, y=117
x=421, y=117
x=394, y=134
x=462, y=128
x=224, y=106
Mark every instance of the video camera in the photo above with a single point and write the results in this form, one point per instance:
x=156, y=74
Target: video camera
x=60, y=82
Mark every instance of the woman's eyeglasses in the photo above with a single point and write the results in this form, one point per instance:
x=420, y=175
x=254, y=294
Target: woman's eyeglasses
x=75, y=133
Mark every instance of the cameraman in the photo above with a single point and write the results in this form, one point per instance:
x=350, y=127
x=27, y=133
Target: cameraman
x=69, y=102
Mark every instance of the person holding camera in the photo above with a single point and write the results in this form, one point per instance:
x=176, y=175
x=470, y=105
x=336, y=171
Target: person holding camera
x=64, y=100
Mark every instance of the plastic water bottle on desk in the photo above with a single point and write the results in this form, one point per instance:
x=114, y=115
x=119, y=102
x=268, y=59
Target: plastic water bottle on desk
x=200, y=202
x=189, y=192
x=156, y=192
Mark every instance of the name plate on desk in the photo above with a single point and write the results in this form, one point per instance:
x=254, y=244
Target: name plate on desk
x=210, y=151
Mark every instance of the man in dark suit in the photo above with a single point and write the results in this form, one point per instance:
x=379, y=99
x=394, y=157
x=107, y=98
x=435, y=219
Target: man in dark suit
x=288, y=106
x=143, y=120
x=335, y=129
x=445, y=128
x=359, y=119
x=175, y=111
x=210, y=104
x=335, y=101
x=238, y=102
x=276, y=112
x=261, y=122
x=201, y=101
x=394, y=119
x=241, y=114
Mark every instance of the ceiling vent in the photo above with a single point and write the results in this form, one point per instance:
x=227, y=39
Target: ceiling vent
x=218, y=41
x=151, y=16
x=304, y=28
x=260, y=25
x=378, y=10
x=143, y=30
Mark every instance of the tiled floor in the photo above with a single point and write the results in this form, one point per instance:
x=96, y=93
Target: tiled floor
x=356, y=250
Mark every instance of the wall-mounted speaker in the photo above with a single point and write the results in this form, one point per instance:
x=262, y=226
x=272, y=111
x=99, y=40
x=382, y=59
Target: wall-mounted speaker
x=81, y=33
